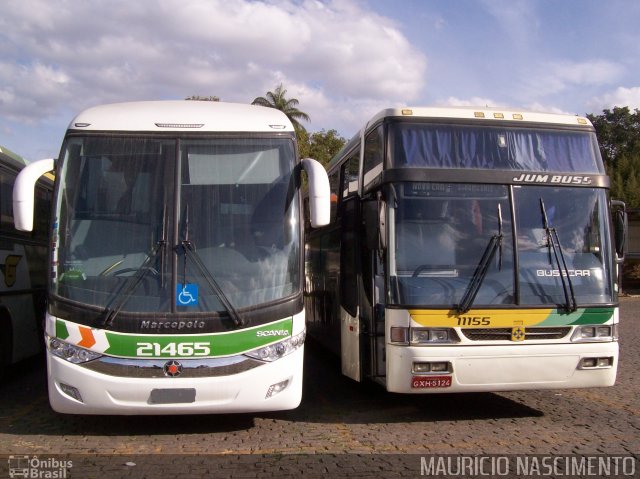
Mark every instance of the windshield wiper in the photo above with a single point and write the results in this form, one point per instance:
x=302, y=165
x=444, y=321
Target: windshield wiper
x=190, y=252
x=129, y=287
x=495, y=244
x=553, y=242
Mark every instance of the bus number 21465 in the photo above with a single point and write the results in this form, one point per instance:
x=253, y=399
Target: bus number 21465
x=173, y=349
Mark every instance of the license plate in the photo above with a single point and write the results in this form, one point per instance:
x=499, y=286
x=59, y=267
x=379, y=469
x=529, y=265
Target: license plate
x=428, y=382
x=172, y=396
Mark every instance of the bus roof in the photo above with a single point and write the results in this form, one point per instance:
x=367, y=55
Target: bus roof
x=461, y=113
x=480, y=113
x=181, y=115
x=11, y=158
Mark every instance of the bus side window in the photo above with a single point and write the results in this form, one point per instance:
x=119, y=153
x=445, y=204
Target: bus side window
x=373, y=155
x=350, y=175
x=334, y=186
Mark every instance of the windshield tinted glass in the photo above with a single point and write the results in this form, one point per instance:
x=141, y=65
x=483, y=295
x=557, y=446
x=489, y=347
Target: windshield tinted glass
x=441, y=231
x=579, y=217
x=239, y=209
x=417, y=145
x=112, y=213
x=124, y=210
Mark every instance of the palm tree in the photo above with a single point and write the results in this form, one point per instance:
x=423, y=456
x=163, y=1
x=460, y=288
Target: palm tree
x=276, y=99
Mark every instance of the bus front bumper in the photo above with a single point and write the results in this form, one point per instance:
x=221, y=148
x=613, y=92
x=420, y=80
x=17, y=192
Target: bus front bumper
x=247, y=391
x=499, y=368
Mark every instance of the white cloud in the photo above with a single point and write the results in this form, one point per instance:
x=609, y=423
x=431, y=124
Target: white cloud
x=69, y=55
x=541, y=81
x=621, y=96
x=473, y=101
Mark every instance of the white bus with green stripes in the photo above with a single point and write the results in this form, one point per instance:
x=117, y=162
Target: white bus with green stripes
x=176, y=262
x=469, y=250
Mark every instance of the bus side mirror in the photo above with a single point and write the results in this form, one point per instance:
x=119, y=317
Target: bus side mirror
x=24, y=192
x=319, y=193
x=374, y=218
x=619, y=213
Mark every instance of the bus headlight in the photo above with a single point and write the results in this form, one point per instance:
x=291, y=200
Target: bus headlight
x=279, y=349
x=421, y=336
x=592, y=333
x=69, y=352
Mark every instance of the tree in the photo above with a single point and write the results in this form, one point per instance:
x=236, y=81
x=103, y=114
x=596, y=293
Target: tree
x=321, y=145
x=277, y=99
x=618, y=133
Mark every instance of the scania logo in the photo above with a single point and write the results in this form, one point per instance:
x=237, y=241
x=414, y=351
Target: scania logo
x=274, y=332
x=172, y=369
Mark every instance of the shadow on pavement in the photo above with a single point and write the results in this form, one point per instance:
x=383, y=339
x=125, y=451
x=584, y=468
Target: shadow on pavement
x=328, y=397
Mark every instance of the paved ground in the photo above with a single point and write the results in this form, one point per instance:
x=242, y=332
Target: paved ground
x=341, y=429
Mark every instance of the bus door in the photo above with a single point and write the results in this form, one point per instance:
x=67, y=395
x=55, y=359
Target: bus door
x=349, y=291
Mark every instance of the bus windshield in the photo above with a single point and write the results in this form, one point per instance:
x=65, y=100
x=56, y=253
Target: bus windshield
x=440, y=232
x=149, y=225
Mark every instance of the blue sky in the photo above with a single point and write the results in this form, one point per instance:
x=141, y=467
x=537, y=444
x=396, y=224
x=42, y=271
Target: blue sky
x=344, y=59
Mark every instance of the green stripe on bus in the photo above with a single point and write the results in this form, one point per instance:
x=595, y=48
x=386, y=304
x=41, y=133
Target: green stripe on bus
x=197, y=345
x=61, y=330
x=580, y=316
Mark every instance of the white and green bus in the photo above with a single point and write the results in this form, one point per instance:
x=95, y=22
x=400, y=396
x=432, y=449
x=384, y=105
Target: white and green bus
x=23, y=263
x=176, y=262
x=469, y=250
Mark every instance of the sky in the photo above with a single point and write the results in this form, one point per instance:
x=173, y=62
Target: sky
x=344, y=60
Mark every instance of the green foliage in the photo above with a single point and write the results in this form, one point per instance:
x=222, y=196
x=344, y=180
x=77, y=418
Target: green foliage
x=321, y=145
x=618, y=132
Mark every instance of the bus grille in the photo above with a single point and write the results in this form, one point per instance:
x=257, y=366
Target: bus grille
x=504, y=334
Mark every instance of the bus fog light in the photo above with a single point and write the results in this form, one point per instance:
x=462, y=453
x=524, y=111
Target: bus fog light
x=421, y=367
x=605, y=362
x=439, y=367
x=596, y=363
x=276, y=388
x=71, y=392
x=432, y=367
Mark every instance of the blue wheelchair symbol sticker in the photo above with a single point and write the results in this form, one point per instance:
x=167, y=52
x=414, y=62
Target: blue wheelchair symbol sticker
x=187, y=295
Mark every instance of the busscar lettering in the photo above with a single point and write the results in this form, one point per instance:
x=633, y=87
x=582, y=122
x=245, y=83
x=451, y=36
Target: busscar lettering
x=172, y=325
x=554, y=273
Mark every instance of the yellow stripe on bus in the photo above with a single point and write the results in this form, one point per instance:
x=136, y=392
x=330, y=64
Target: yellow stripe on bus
x=480, y=318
